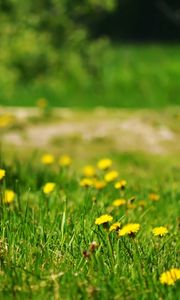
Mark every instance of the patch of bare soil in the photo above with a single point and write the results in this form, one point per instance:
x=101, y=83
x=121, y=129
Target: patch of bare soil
x=127, y=130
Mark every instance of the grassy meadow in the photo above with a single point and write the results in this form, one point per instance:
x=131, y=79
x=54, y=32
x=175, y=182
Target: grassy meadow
x=127, y=76
x=89, y=198
x=53, y=246
x=89, y=150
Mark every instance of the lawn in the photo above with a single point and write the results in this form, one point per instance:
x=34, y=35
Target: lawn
x=51, y=247
x=89, y=159
x=64, y=210
x=129, y=76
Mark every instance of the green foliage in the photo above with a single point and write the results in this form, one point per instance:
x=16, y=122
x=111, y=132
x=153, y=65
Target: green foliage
x=47, y=50
x=126, y=76
x=45, y=39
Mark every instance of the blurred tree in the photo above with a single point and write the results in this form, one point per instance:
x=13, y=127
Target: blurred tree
x=45, y=37
x=59, y=41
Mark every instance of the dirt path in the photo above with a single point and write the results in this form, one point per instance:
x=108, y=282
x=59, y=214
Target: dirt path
x=121, y=130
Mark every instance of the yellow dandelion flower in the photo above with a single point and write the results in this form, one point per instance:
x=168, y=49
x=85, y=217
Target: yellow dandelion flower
x=131, y=205
x=86, y=182
x=142, y=203
x=115, y=226
x=160, y=231
x=47, y=159
x=8, y=196
x=111, y=176
x=6, y=120
x=49, y=187
x=65, y=160
x=2, y=173
x=170, y=277
x=120, y=184
x=104, y=164
x=119, y=202
x=154, y=197
x=89, y=171
x=103, y=219
x=129, y=229
x=42, y=103
x=99, y=184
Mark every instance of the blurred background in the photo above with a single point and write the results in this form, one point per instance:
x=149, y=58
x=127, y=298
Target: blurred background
x=86, y=53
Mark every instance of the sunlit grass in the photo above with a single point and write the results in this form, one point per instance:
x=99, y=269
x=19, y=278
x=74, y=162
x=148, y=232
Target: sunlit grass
x=52, y=246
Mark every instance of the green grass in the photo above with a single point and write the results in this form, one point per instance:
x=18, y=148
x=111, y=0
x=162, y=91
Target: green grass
x=129, y=76
x=43, y=238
